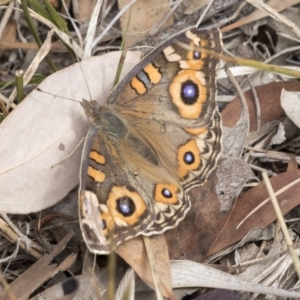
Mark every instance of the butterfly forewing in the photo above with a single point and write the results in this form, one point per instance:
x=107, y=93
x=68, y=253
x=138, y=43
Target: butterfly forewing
x=182, y=123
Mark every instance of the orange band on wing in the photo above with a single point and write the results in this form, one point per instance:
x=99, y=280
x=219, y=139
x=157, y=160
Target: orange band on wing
x=138, y=86
x=153, y=73
x=98, y=158
x=196, y=130
x=97, y=175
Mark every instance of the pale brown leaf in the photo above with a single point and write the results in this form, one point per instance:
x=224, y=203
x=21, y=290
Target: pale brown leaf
x=44, y=130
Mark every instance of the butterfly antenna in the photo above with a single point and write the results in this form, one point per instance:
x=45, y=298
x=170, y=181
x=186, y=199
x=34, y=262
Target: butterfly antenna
x=123, y=55
x=74, y=26
x=56, y=96
x=90, y=37
x=86, y=82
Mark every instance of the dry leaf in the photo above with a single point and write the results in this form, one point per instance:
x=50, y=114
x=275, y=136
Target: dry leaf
x=45, y=129
x=277, y=5
x=211, y=208
x=8, y=37
x=2, y=2
x=88, y=287
x=264, y=216
x=269, y=99
x=141, y=264
x=143, y=16
x=39, y=272
x=83, y=9
x=190, y=274
x=292, y=165
x=126, y=287
x=279, y=136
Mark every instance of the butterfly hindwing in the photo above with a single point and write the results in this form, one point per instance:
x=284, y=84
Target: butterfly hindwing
x=109, y=205
x=124, y=190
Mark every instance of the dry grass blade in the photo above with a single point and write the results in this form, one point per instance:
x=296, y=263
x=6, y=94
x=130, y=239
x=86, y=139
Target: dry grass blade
x=126, y=287
x=153, y=267
x=283, y=226
x=258, y=14
x=92, y=30
x=208, y=6
x=268, y=199
x=63, y=36
x=116, y=18
x=11, y=236
x=247, y=62
x=38, y=273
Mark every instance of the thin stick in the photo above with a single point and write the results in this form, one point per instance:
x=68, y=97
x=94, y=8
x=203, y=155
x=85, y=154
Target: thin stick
x=257, y=104
x=291, y=184
x=208, y=6
x=244, y=62
x=283, y=226
x=152, y=266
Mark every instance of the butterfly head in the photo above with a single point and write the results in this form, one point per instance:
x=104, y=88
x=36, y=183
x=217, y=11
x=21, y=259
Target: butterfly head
x=104, y=118
x=91, y=108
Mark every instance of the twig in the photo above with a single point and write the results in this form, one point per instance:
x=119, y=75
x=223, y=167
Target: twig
x=283, y=226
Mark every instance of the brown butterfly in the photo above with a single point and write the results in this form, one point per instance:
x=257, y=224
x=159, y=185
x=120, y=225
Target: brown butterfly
x=158, y=136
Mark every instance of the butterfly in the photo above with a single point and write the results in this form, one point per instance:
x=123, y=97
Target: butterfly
x=158, y=136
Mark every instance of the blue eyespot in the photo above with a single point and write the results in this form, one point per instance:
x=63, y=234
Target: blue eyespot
x=196, y=55
x=189, y=158
x=166, y=193
x=103, y=225
x=189, y=92
x=125, y=206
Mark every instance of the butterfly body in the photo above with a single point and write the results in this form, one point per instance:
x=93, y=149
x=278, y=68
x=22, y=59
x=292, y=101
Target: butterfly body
x=157, y=137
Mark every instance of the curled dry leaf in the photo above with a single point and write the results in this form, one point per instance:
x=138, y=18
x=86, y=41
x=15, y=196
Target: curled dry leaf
x=45, y=129
x=279, y=136
x=234, y=140
x=290, y=102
